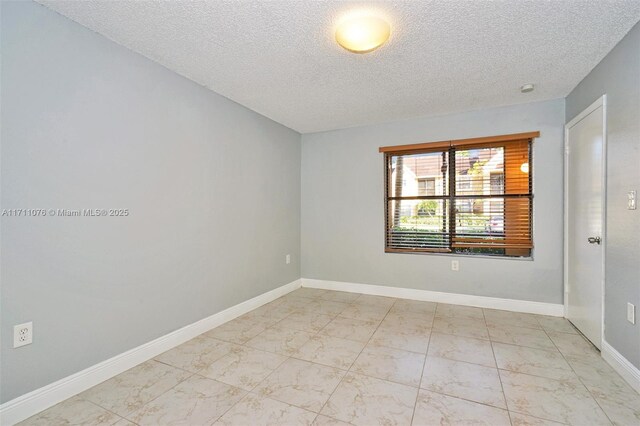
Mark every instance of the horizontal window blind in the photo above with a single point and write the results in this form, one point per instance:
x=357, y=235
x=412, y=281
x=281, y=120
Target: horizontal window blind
x=466, y=197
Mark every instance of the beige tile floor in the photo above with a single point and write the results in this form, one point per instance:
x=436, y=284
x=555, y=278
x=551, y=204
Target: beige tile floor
x=316, y=357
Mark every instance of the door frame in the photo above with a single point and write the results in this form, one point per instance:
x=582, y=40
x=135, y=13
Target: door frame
x=600, y=102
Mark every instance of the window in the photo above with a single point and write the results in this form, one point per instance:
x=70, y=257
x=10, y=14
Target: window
x=477, y=199
x=427, y=186
x=464, y=183
x=496, y=181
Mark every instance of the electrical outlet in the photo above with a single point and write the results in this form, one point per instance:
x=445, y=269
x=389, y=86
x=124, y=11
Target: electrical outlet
x=631, y=202
x=455, y=266
x=287, y=259
x=22, y=334
x=631, y=313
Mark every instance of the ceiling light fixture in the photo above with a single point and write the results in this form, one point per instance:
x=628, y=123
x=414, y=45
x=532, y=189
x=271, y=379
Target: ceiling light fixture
x=526, y=88
x=362, y=34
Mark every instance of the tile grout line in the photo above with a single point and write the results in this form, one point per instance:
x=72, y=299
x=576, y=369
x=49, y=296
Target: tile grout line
x=425, y=354
x=151, y=400
x=527, y=374
x=577, y=375
x=360, y=353
x=498, y=369
x=253, y=388
x=504, y=395
x=356, y=358
x=252, y=391
x=107, y=410
x=369, y=340
x=305, y=308
x=267, y=376
x=191, y=374
x=542, y=377
x=424, y=364
x=287, y=357
x=158, y=396
x=318, y=414
x=218, y=381
x=555, y=350
x=461, y=398
x=291, y=357
x=467, y=362
x=349, y=370
x=246, y=392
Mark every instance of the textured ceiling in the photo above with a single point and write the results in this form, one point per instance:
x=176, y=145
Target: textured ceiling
x=279, y=58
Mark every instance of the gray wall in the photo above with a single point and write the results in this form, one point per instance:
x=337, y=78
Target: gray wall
x=618, y=75
x=343, y=209
x=213, y=190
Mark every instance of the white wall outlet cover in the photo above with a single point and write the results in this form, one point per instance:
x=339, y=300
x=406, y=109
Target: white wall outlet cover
x=631, y=203
x=455, y=265
x=22, y=334
x=288, y=259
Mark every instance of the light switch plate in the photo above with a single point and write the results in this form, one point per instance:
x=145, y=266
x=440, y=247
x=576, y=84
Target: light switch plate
x=631, y=313
x=631, y=203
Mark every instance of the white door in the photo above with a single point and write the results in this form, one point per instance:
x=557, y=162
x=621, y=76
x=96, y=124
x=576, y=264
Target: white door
x=585, y=189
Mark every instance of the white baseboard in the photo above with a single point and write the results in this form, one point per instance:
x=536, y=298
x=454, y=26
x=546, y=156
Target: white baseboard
x=622, y=365
x=540, y=308
x=25, y=406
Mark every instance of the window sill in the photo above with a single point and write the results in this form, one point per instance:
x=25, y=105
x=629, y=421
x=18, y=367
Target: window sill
x=447, y=253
